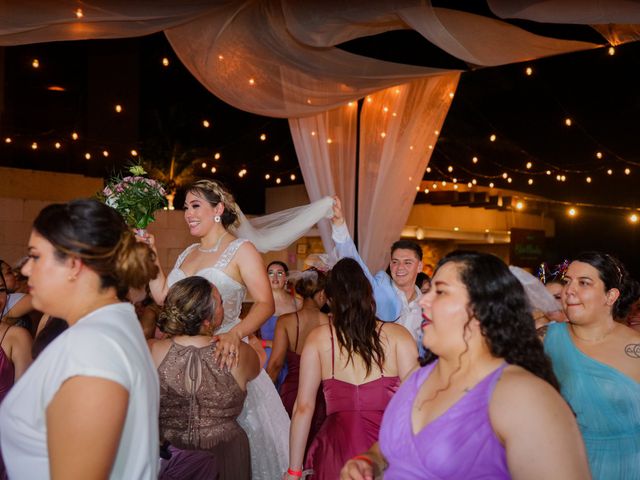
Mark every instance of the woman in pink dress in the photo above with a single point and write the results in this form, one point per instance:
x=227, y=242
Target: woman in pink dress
x=359, y=361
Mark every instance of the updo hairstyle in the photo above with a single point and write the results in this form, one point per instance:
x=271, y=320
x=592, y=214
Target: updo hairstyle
x=98, y=235
x=311, y=281
x=189, y=303
x=614, y=275
x=214, y=193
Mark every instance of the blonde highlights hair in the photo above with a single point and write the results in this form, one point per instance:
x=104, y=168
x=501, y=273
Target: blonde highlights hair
x=214, y=193
x=188, y=304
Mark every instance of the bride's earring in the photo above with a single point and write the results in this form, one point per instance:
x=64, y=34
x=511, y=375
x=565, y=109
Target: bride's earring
x=216, y=219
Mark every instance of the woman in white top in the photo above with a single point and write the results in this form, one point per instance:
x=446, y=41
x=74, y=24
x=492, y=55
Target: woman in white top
x=88, y=406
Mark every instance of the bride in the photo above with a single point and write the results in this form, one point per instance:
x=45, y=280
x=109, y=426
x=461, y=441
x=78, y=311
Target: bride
x=235, y=267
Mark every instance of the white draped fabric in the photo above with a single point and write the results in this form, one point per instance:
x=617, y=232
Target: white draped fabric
x=279, y=58
x=326, y=148
x=400, y=127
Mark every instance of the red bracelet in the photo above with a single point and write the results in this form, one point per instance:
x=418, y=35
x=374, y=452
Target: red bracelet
x=366, y=459
x=294, y=473
x=264, y=344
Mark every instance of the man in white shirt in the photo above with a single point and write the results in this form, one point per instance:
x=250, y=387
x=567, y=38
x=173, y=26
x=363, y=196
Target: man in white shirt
x=396, y=295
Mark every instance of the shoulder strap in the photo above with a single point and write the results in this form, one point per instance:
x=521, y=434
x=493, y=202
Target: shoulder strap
x=380, y=364
x=295, y=349
x=184, y=254
x=332, y=353
x=229, y=253
x=5, y=334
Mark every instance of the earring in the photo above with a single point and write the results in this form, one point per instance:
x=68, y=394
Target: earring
x=216, y=219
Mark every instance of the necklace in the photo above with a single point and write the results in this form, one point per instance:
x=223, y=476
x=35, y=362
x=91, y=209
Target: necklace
x=215, y=247
x=592, y=340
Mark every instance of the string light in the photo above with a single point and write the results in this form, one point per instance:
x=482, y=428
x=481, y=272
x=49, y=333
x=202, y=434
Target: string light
x=567, y=122
x=474, y=159
x=455, y=180
x=214, y=169
x=252, y=82
x=530, y=181
x=8, y=140
x=87, y=156
x=74, y=136
x=220, y=57
x=35, y=63
x=57, y=145
x=206, y=124
x=434, y=186
x=165, y=62
x=263, y=137
x=455, y=187
x=34, y=146
x=548, y=172
x=451, y=94
x=612, y=51
x=599, y=155
x=474, y=181
x=428, y=169
x=609, y=172
x=276, y=158
x=588, y=179
x=267, y=176
x=519, y=205
x=528, y=71
x=292, y=177
x=633, y=218
x=450, y=168
x=329, y=141
x=383, y=134
x=505, y=175
x=105, y=153
x=572, y=212
x=456, y=229
x=204, y=165
x=119, y=108
x=529, y=165
x=493, y=137
x=278, y=180
x=627, y=171
x=216, y=156
x=79, y=13
x=134, y=153
x=426, y=190
x=470, y=185
x=491, y=185
x=509, y=180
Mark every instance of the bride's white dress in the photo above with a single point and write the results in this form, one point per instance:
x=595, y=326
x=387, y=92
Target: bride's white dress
x=263, y=418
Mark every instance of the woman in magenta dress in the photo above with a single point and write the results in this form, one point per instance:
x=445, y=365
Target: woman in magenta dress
x=488, y=406
x=291, y=333
x=359, y=362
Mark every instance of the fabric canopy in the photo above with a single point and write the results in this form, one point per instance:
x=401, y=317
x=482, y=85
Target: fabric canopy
x=280, y=58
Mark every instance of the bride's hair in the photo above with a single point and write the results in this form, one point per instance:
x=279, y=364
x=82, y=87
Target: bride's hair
x=214, y=193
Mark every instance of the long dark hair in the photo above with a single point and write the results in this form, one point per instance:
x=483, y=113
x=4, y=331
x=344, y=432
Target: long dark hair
x=614, y=275
x=498, y=301
x=354, y=313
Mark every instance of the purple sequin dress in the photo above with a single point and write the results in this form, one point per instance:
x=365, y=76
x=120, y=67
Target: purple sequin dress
x=460, y=444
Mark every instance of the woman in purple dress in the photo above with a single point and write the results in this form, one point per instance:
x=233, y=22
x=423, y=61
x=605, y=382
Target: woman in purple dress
x=359, y=360
x=488, y=406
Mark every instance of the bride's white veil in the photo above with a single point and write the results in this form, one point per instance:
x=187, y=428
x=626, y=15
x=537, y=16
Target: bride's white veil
x=278, y=230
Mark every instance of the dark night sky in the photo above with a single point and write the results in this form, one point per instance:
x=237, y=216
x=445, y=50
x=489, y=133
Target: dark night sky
x=164, y=108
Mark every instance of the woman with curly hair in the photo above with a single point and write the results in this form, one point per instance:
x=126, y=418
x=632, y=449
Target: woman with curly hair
x=485, y=403
x=359, y=360
x=597, y=361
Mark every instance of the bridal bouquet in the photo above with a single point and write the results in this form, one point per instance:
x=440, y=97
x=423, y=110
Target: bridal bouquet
x=135, y=197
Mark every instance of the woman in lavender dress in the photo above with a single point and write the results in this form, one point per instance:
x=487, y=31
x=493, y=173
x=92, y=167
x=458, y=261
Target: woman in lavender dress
x=488, y=406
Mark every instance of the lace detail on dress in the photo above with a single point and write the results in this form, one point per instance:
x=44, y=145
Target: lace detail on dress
x=199, y=402
x=229, y=253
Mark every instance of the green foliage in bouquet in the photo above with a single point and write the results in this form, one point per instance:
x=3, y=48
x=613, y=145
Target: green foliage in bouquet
x=135, y=197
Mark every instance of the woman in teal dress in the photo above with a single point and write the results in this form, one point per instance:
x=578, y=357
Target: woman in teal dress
x=597, y=361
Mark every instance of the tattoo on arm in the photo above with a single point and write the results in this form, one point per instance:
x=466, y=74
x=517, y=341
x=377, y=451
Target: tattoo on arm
x=633, y=350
